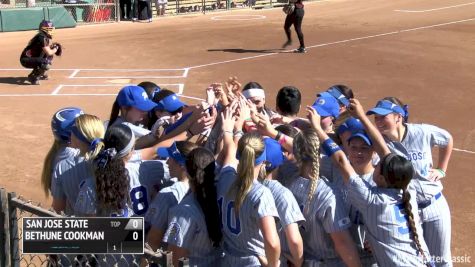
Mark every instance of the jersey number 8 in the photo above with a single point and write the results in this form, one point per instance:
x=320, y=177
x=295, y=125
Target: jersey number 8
x=138, y=196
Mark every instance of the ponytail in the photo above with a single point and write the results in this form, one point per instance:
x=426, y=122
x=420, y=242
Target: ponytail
x=200, y=165
x=406, y=198
x=307, y=149
x=48, y=166
x=114, y=113
x=112, y=181
x=89, y=129
x=111, y=175
x=250, y=146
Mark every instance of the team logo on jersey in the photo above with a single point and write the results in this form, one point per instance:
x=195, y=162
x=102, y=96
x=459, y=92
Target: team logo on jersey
x=174, y=230
x=344, y=222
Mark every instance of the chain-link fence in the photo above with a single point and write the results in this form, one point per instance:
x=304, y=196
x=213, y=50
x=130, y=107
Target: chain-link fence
x=15, y=208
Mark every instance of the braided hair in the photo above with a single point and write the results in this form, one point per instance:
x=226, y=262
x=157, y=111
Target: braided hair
x=307, y=150
x=398, y=172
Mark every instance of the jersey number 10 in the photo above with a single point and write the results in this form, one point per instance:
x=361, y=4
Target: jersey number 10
x=232, y=221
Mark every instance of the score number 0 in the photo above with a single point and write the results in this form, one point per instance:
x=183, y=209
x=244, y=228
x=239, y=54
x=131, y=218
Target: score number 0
x=135, y=234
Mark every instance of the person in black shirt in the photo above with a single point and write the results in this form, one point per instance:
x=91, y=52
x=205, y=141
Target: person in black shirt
x=295, y=18
x=38, y=54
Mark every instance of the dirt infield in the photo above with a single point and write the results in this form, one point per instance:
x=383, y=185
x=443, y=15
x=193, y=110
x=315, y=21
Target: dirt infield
x=423, y=52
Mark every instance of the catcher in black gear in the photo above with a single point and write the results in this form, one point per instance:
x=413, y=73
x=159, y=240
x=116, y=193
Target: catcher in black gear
x=39, y=52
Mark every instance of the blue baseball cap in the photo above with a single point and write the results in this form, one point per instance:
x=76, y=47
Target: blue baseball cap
x=337, y=94
x=274, y=154
x=352, y=125
x=363, y=135
x=135, y=96
x=171, y=152
x=385, y=107
x=326, y=105
x=170, y=103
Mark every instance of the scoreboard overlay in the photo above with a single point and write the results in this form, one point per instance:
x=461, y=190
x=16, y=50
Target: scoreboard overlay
x=83, y=235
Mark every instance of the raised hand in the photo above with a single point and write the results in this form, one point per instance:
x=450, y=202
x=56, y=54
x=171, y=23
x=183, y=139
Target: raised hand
x=356, y=109
x=314, y=118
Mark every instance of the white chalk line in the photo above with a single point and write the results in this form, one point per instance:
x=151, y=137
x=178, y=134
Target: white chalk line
x=236, y=17
x=115, y=70
x=82, y=94
x=128, y=77
x=180, y=86
x=463, y=150
x=335, y=42
x=433, y=9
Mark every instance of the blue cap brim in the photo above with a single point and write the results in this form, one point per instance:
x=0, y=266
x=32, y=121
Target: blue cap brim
x=321, y=111
x=362, y=136
x=145, y=105
x=379, y=111
x=175, y=106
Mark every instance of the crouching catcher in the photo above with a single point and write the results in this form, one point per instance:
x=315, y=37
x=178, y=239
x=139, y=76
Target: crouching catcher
x=38, y=54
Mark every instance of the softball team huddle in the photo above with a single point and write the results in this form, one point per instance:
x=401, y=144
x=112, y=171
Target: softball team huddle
x=231, y=182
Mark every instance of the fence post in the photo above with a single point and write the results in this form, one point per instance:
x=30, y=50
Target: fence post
x=5, y=255
x=14, y=236
x=117, y=10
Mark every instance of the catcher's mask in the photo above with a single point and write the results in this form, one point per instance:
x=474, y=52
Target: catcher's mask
x=47, y=27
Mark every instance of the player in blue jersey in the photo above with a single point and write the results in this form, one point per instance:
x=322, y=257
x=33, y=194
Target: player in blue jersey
x=325, y=232
x=157, y=215
x=290, y=215
x=247, y=207
x=389, y=213
x=194, y=225
x=415, y=142
x=61, y=124
x=85, y=135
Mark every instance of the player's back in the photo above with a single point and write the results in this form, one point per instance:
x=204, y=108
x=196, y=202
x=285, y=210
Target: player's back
x=288, y=209
x=187, y=229
x=35, y=46
x=243, y=240
x=326, y=214
x=386, y=223
x=145, y=179
x=168, y=197
x=68, y=173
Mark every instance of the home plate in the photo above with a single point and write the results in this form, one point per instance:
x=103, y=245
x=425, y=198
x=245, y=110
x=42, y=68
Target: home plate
x=121, y=81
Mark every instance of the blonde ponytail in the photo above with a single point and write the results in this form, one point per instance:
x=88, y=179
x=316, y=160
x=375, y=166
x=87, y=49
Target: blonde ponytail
x=47, y=171
x=250, y=146
x=91, y=127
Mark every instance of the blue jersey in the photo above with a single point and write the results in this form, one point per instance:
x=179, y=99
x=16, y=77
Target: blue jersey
x=144, y=177
x=288, y=209
x=68, y=173
x=187, y=229
x=417, y=147
x=242, y=237
x=168, y=197
x=386, y=223
x=326, y=214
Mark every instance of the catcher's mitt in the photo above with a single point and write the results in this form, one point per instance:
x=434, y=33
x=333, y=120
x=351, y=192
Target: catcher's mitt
x=59, y=52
